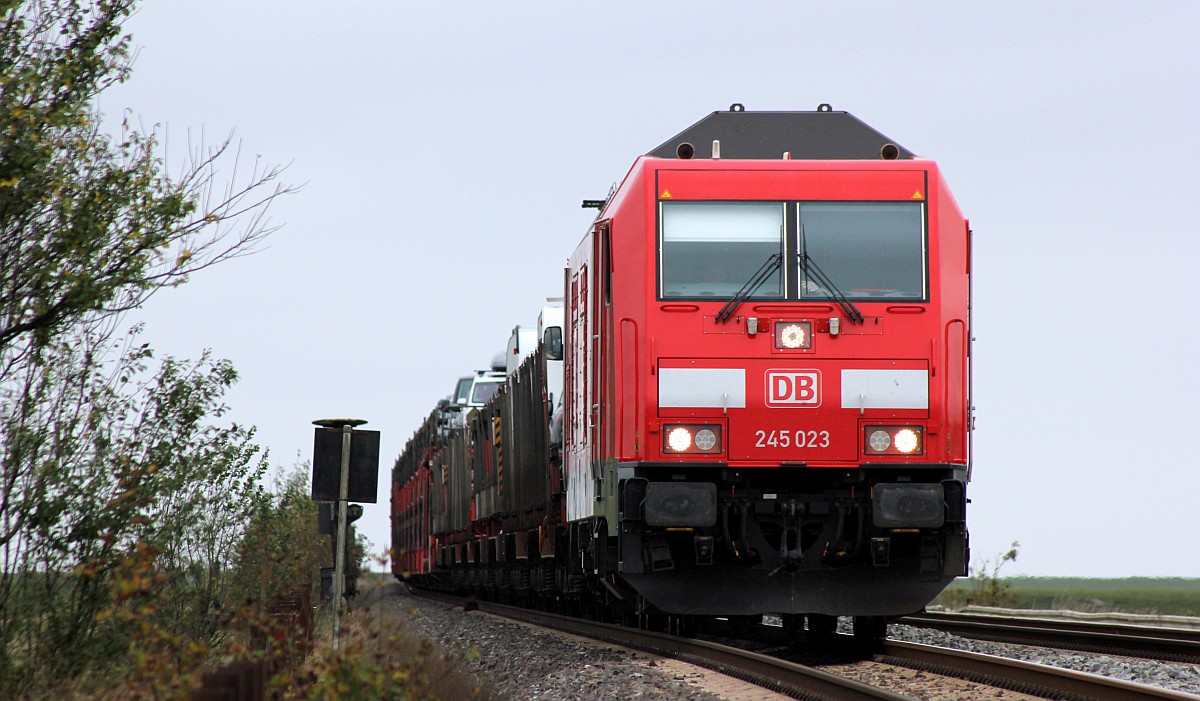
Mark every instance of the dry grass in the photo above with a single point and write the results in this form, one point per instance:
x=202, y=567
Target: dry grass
x=378, y=660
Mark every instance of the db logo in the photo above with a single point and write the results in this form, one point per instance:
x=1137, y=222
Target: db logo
x=789, y=388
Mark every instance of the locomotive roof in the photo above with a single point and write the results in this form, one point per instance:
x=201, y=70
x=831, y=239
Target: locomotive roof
x=825, y=134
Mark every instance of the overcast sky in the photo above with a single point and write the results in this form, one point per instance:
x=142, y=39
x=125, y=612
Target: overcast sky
x=444, y=148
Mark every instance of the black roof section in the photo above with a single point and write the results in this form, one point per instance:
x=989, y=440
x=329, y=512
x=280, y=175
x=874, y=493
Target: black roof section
x=821, y=135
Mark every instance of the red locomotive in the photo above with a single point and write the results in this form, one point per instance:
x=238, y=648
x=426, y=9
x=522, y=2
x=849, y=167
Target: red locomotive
x=766, y=404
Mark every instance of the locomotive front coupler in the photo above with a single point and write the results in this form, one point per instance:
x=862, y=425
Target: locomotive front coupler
x=790, y=558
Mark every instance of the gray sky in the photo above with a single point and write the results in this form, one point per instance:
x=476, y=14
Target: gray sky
x=444, y=149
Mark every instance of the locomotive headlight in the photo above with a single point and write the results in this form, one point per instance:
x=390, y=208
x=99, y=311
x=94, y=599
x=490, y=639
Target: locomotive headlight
x=679, y=439
x=692, y=438
x=894, y=440
x=793, y=335
x=906, y=440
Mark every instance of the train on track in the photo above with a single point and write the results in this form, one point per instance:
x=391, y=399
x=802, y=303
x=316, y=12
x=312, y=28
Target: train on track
x=753, y=396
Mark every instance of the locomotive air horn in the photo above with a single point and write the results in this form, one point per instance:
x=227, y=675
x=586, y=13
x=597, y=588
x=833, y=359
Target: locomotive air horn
x=685, y=151
x=889, y=152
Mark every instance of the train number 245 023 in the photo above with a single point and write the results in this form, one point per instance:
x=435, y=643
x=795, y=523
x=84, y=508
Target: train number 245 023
x=791, y=439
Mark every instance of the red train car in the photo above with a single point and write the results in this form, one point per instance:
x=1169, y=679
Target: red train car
x=412, y=494
x=767, y=386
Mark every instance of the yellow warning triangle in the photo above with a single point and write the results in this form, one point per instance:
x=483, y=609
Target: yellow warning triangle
x=666, y=194
x=918, y=196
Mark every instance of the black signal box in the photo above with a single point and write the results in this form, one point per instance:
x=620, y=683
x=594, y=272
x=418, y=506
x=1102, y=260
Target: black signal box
x=327, y=465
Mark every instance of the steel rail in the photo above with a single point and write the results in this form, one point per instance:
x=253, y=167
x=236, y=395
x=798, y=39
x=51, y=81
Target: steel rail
x=1025, y=677
x=1150, y=642
x=782, y=676
x=802, y=682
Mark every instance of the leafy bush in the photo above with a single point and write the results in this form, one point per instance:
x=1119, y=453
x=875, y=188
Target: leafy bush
x=114, y=473
x=281, y=546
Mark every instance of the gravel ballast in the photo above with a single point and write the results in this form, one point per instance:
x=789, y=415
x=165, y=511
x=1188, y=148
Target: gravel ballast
x=1168, y=675
x=520, y=662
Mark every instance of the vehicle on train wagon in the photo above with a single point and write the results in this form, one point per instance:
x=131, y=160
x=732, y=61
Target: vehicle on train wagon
x=767, y=387
x=469, y=427
x=412, y=484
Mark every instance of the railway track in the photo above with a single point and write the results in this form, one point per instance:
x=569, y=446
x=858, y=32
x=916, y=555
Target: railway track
x=774, y=671
x=1016, y=675
x=1149, y=642
x=779, y=675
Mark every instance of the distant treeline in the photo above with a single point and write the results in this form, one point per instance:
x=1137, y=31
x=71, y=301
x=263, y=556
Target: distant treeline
x=1023, y=583
x=1168, y=596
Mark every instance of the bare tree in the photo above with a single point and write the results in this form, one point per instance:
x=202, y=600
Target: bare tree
x=92, y=224
x=106, y=457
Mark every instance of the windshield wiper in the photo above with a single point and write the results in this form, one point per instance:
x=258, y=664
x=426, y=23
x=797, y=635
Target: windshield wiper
x=847, y=306
x=756, y=280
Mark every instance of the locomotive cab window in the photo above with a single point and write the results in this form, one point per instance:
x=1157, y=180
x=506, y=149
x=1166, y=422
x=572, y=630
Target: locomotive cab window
x=710, y=249
x=867, y=250
x=861, y=250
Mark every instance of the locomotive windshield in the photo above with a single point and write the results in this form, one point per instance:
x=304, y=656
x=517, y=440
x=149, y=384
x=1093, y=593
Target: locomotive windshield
x=712, y=248
x=874, y=249
x=868, y=250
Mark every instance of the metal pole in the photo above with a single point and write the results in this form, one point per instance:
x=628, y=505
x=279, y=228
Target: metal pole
x=339, y=561
x=343, y=497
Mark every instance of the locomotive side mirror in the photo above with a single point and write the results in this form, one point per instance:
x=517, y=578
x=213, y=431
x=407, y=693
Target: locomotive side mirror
x=552, y=338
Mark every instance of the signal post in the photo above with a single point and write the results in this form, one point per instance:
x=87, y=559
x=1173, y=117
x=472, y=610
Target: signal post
x=345, y=469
